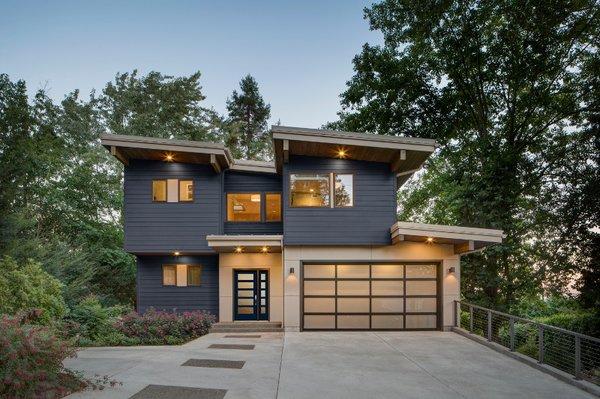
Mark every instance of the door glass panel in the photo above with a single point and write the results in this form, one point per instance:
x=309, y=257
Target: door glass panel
x=319, y=321
x=246, y=301
x=319, y=305
x=245, y=293
x=353, y=305
x=421, y=304
x=421, y=271
x=245, y=310
x=319, y=271
x=387, y=305
x=387, y=287
x=245, y=277
x=353, y=288
x=263, y=310
x=263, y=293
x=421, y=287
x=263, y=301
x=353, y=271
x=246, y=284
x=263, y=285
x=319, y=288
x=387, y=271
x=383, y=321
x=353, y=321
x=421, y=321
x=263, y=276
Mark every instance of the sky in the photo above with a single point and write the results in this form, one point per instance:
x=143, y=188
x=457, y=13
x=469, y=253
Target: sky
x=300, y=52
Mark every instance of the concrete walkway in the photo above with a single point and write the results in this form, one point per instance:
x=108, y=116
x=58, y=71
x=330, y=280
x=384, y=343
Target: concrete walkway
x=328, y=365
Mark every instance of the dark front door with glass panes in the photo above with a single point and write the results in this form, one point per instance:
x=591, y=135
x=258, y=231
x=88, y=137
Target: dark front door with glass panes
x=251, y=294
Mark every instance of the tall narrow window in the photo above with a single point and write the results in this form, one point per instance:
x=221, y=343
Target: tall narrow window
x=273, y=207
x=343, y=190
x=243, y=207
x=193, y=275
x=159, y=190
x=309, y=190
x=169, y=274
x=186, y=190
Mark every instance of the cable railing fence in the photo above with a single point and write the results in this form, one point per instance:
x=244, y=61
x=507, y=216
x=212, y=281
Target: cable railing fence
x=568, y=351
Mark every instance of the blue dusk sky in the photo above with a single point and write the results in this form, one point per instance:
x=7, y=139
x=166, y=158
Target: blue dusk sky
x=300, y=52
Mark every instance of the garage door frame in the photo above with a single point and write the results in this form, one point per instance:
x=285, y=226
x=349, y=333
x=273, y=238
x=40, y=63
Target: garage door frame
x=439, y=293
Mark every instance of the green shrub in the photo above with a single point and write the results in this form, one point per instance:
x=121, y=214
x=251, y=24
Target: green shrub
x=90, y=319
x=31, y=361
x=27, y=286
x=583, y=322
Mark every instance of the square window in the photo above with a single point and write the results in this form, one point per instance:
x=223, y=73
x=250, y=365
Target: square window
x=309, y=190
x=243, y=207
x=159, y=190
x=273, y=207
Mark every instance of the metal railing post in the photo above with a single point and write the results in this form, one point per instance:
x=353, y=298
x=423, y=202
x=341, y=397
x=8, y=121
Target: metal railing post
x=541, y=343
x=470, y=318
x=489, y=325
x=577, y=357
x=456, y=307
x=511, y=325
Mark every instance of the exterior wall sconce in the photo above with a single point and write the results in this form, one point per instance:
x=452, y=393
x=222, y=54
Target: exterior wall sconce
x=292, y=271
x=451, y=270
x=239, y=250
x=176, y=253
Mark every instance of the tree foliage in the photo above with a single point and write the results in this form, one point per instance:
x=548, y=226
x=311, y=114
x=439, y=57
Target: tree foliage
x=510, y=91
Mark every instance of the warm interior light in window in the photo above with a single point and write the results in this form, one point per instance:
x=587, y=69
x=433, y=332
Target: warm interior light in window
x=169, y=157
x=238, y=249
x=255, y=198
x=429, y=240
x=265, y=249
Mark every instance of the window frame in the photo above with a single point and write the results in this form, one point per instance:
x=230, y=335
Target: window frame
x=265, y=220
x=166, y=201
x=333, y=205
x=261, y=211
x=152, y=190
x=163, y=274
x=308, y=172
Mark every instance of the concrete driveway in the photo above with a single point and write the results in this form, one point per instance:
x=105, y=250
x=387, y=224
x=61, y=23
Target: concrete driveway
x=327, y=365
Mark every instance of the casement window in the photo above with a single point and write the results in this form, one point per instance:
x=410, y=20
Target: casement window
x=173, y=190
x=273, y=207
x=181, y=275
x=244, y=207
x=321, y=190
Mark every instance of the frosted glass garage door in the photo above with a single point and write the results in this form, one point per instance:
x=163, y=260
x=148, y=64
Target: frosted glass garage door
x=377, y=296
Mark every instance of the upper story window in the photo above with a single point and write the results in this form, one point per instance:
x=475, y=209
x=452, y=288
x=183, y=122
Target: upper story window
x=243, y=207
x=321, y=190
x=172, y=190
x=273, y=207
x=309, y=190
x=181, y=275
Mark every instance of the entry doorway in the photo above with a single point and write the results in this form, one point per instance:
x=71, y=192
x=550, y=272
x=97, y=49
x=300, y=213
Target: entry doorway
x=251, y=294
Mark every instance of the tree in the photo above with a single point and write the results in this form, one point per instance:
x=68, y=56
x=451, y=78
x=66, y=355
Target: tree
x=247, y=122
x=506, y=88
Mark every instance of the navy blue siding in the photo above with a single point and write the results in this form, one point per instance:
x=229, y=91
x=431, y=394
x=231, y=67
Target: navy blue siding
x=368, y=222
x=151, y=292
x=246, y=182
x=153, y=227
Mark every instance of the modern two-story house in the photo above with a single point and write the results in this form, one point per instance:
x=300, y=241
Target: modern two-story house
x=310, y=240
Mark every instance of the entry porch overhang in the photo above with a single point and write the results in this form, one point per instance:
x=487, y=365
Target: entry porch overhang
x=245, y=243
x=464, y=239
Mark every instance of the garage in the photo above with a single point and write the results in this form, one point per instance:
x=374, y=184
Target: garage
x=370, y=296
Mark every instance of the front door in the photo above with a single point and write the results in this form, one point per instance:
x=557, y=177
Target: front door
x=251, y=294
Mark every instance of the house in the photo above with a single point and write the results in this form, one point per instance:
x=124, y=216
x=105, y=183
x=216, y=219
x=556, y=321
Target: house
x=310, y=240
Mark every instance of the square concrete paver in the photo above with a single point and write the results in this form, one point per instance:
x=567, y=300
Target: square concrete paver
x=399, y=365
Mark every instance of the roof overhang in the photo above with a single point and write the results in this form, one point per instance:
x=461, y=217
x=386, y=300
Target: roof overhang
x=405, y=155
x=464, y=239
x=243, y=165
x=245, y=243
x=125, y=148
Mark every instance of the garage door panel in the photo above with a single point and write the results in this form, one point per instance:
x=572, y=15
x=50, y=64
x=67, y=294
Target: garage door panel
x=420, y=305
x=419, y=287
x=387, y=288
x=352, y=287
x=421, y=321
x=387, y=271
x=319, y=322
x=353, y=271
x=319, y=271
x=353, y=305
x=387, y=305
x=353, y=322
x=393, y=322
x=421, y=271
x=319, y=305
x=318, y=287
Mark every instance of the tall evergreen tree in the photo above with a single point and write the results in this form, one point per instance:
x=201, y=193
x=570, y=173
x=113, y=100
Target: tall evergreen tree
x=248, y=115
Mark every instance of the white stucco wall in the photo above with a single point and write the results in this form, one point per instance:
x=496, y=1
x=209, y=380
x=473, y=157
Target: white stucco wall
x=403, y=251
x=230, y=261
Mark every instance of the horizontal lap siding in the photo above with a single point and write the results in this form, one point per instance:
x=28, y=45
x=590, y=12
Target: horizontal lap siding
x=153, y=227
x=368, y=222
x=152, y=294
x=246, y=182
